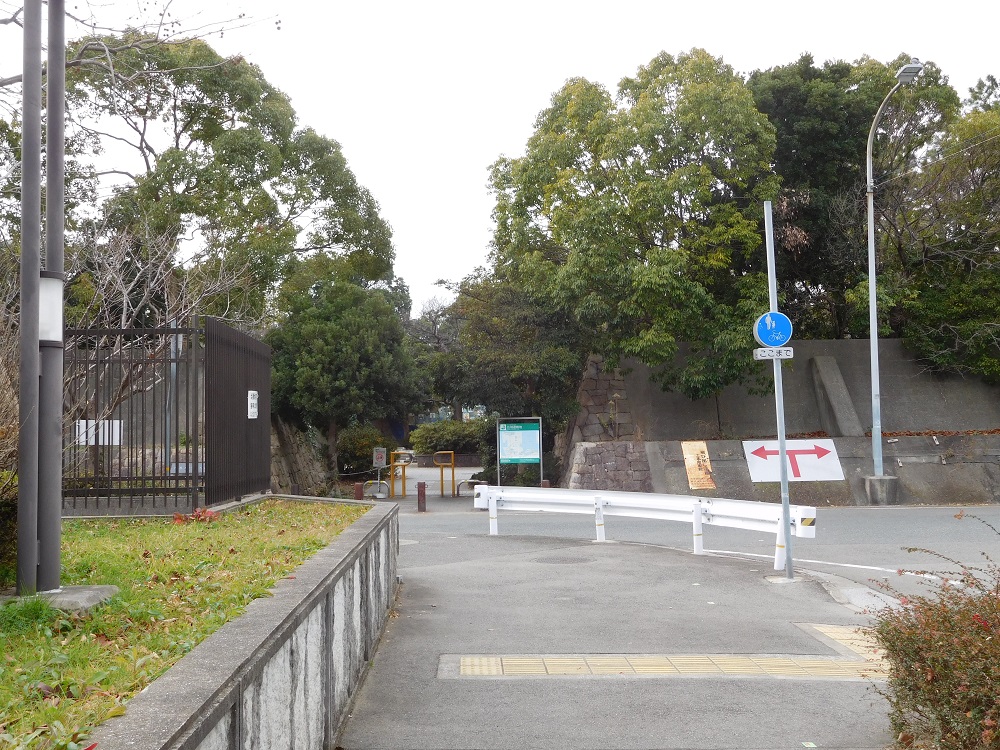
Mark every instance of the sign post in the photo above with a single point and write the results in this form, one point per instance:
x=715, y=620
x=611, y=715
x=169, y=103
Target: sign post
x=773, y=330
x=519, y=441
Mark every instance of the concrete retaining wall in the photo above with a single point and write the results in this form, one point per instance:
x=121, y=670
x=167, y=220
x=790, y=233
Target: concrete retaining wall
x=912, y=399
x=931, y=470
x=283, y=674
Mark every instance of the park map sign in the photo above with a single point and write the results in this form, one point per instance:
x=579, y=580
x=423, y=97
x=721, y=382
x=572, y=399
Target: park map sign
x=519, y=441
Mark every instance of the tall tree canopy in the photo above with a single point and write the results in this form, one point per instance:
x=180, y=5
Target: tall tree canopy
x=339, y=357
x=638, y=217
x=822, y=116
x=213, y=167
x=948, y=250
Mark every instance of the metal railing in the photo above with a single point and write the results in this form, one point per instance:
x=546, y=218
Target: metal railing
x=698, y=511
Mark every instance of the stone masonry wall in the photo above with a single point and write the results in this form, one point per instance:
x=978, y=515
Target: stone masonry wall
x=604, y=407
x=297, y=460
x=611, y=466
x=598, y=449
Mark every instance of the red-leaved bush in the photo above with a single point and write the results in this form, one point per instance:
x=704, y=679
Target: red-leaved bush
x=943, y=655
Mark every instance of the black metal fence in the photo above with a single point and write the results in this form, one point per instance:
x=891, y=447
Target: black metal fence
x=151, y=425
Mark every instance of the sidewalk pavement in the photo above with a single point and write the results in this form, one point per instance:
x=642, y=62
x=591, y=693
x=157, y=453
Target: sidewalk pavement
x=541, y=638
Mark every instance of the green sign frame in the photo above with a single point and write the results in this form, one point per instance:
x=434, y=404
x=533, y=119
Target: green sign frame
x=519, y=441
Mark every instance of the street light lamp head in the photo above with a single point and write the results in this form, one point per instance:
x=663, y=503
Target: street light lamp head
x=910, y=71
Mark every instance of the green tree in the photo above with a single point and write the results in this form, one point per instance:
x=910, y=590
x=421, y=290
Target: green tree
x=521, y=356
x=221, y=177
x=639, y=218
x=822, y=116
x=339, y=358
x=950, y=313
x=436, y=333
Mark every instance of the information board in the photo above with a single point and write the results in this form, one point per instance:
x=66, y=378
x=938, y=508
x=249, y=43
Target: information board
x=519, y=441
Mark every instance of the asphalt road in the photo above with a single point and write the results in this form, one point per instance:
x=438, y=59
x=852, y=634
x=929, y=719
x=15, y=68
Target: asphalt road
x=863, y=545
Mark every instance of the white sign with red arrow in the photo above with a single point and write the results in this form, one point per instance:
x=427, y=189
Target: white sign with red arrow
x=808, y=461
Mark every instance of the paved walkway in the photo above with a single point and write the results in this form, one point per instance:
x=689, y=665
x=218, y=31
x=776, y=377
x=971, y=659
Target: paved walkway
x=541, y=638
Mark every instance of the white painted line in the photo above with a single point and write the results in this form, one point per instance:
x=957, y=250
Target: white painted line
x=838, y=565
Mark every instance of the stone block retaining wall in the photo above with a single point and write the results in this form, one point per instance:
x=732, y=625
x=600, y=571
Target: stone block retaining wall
x=610, y=466
x=284, y=673
x=298, y=460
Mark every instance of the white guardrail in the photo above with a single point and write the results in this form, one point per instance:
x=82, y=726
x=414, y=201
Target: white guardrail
x=714, y=511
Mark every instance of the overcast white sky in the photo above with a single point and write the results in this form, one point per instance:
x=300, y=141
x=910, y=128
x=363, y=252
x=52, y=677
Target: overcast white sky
x=424, y=96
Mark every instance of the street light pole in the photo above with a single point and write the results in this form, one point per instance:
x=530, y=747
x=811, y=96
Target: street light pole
x=31, y=232
x=905, y=75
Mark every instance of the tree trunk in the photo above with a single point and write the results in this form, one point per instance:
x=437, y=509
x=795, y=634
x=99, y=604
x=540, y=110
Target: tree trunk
x=331, y=440
x=456, y=410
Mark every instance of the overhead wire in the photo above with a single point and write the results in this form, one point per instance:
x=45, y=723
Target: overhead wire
x=974, y=142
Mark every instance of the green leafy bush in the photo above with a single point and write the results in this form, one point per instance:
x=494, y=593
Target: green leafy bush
x=943, y=652
x=354, y=449
x=449, y=435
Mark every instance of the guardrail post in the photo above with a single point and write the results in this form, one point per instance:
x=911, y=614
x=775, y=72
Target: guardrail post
x=696, y=530
x=421, y=497
x=492, y=499
x=599, y=518
x=779, y=547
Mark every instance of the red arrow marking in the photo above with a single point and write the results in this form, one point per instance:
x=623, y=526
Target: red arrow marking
x=793, y=455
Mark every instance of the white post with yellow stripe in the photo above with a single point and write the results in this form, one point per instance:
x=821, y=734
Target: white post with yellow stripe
x=599, y=518
x=696, y=529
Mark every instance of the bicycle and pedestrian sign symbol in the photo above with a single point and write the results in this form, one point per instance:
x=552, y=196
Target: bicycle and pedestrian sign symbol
x=772, y=329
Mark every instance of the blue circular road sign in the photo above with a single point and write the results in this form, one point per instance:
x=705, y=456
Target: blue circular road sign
x=773, y=329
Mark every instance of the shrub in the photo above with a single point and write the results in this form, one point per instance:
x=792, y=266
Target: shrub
x=943, y=652
x=448, y=435
x=355, y=446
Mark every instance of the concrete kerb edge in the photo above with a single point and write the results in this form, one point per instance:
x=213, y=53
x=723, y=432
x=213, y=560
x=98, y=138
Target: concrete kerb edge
x=255, y=627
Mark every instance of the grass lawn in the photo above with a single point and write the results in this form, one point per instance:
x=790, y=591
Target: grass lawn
x=62, y=674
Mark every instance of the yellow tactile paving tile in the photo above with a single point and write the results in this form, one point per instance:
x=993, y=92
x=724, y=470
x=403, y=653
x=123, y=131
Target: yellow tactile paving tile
x=869, y=665
x=652, y=665
x=567, y=666
x=852, y=638
x=694, y=664
x=481, y=666
x=520, y=666
x=609, y=665
x=674, y=665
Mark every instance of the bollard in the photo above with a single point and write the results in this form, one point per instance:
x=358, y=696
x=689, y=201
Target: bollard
x=696, y=530
x=546, y=484
x=359, y=491
x=599, y=518
x=421, y=497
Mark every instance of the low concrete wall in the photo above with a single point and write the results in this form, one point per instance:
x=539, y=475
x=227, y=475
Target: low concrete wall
x=283, y=674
